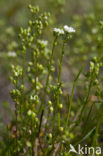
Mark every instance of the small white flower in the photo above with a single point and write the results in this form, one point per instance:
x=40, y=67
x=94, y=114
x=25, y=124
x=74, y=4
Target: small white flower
x=12, y=54
x=33, y=98
x=46, y=17
x=69, y=29
x=43, y=42
x=58, y=31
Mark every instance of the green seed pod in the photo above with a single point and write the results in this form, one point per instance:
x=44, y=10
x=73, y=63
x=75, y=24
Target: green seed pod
x=46, y=23
x=30, y=64
x=33, y=115
x=60, y=91
x=52, y=68
x=36, y=120
x=14, y=82
x=21, y=87
x=67, y=133
x=18, y=92
x=12, y=67
x=33, y=81
x=28, y=69
x=94, y=59
x=21, y=30
x=29, y=113
x=64, y=137
x=71, y=135
x=60, y=106
x=30, y=23
x=29, y=6
x=11, y=78
x=61, y=129
x=40, y=66
x=13, y=92
x=28, y=144
x=50, y=136
x=51, y=109
x=49, y=103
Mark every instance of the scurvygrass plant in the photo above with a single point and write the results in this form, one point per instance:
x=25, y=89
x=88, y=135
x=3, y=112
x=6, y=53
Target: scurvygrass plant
x=46, y=121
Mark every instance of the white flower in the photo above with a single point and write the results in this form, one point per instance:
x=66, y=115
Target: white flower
x=69, y=29
x=58, y=31
x=43, y=42
x=33, y=97
x=46, y=17
x=16, y=74
x=12, y=54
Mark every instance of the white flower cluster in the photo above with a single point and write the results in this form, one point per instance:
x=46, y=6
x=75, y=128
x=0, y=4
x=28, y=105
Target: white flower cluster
x=65, y=29
x=69, y=29
x=58, y=31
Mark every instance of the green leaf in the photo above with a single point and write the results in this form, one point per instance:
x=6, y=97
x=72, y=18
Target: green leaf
x=86, y=136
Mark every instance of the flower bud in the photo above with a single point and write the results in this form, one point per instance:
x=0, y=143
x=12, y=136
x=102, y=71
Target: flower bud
x=51, y=109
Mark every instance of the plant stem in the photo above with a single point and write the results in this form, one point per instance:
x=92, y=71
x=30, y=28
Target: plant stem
x=46, y=85
x=36, y=75
x=32, y=140
x=23, y=68
x=16, y=113
x=16, y=127
x=59, y=77
x=86, y=100
x=36, y=72
x=71, y=98
x=94, y=143
x=87, y=119
x=70, y=104
x=49, y=70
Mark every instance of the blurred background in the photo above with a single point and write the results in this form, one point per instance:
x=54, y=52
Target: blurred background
x=83, y=15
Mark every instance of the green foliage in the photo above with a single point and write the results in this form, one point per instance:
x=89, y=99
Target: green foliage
x=47, y=118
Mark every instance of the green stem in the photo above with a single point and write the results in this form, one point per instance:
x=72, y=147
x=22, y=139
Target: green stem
x=87, y=119
x=49, y=70
x=16, y=128
x=86, y=100
x=16, y=113
x=46, y=84
x=70, y=104
x=59, y=77
x=36, y=72
x=94, y=143
x=23, y=67
x=36, y=75
x=32, y=138
x=61, y=62
x=71, y=98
